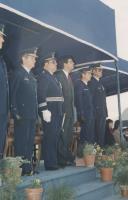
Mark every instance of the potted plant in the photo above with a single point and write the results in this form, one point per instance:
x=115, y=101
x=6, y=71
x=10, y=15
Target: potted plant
x=63, y=192
x=108, y=152
x=106, y=168
x=121, y=173
x=117, y=151
x=99, y=150
x=121, y=178
x=11, y=176
x=89, y=153
x=34, y=192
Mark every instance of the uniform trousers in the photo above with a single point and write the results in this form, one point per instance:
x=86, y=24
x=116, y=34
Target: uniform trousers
x=100, y=122
x=87, y=131
x=50, y=140
x=3, y=132
x=24, y=133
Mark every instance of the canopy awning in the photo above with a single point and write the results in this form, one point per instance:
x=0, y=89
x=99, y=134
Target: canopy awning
x=109, y=79
x=53, y=26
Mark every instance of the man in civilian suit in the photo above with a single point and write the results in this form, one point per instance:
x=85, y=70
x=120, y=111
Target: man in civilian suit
x=84, y=107
x=24, y=106
x=65, y=155
x=99, y=103
x=4, y=91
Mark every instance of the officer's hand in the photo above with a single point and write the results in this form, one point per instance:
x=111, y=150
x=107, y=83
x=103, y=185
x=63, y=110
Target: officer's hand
x=46, y=115
x=18, y=117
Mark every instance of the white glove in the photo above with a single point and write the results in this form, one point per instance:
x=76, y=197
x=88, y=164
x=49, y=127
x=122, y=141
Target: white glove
x=46, y=115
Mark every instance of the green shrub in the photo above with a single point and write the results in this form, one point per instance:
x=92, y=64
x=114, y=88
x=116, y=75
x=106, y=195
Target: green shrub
x=62, y=192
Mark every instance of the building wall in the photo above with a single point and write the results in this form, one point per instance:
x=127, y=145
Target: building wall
x=112, y=104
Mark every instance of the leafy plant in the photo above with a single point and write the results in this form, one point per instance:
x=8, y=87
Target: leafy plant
x=7, y=193
x=121, y=163
x=11, y=176
x=121, y=176
x=89, y=149
x=36, y=183
x=10, y=162
x=108, y=163
x=109, y=150
x=10, y=170
x=98, y=149
x=122, y=160
x=63, y=192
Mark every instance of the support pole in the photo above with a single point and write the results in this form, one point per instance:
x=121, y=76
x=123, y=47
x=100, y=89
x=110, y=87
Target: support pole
x=118, y=97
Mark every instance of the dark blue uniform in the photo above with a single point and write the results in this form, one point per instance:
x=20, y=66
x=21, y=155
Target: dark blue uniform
x=100, y=109
x=24, y=109
x=84, y=107
x=50, y=97
x=4, y=91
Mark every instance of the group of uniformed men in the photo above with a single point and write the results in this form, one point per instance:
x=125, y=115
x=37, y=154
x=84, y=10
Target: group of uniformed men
x=51, y=96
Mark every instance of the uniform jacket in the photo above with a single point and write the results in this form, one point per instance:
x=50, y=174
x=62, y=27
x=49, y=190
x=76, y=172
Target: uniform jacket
x=68, y=91
x=99, y=97
x=83, y=100
x=49, y=93
x=4, y=90
x=24, y=94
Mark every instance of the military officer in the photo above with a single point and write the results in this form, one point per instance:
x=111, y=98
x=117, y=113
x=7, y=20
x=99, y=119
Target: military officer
x=50, y=100
x=99, y=103
x=84, y=106
x=24, y=105
x=4, y=95
x=67, y=63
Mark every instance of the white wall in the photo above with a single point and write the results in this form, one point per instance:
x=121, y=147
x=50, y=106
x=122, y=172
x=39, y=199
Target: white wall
x=121, y=21
x=112, y=104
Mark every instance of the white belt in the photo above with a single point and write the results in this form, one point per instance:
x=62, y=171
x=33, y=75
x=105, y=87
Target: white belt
x=50, y=99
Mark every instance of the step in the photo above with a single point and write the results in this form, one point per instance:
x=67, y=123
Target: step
x=73, y=176
x=94, y=190
x=115, y=197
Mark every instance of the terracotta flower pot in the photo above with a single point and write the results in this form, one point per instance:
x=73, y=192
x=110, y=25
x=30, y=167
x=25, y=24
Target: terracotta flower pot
x=80, y=162
x=106, y=174
x=124, y=190
x=89, y=160
x=34, y=193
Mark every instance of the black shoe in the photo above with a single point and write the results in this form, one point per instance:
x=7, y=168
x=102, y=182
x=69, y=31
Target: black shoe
x=52, y=168
x=70, y=163
x=26, y=169
x=70, y=157
x=62, y=164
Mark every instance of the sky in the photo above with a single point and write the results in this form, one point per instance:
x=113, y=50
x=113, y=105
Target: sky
x=121, y=20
